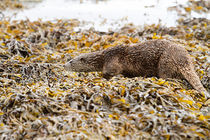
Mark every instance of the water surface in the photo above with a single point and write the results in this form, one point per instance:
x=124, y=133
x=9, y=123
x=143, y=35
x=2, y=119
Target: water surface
x=106, y=14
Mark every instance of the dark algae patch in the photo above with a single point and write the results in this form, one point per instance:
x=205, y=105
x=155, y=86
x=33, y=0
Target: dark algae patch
x=41, y=100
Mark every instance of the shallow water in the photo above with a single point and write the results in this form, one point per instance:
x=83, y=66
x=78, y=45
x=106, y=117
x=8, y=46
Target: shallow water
x=105, y=14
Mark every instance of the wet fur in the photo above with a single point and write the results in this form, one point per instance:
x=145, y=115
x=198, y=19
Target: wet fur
x=159, y=58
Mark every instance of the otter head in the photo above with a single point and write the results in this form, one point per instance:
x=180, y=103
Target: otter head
x=88, y=62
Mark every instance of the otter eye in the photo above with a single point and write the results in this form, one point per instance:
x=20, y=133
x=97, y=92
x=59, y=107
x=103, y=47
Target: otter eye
x=82, y=59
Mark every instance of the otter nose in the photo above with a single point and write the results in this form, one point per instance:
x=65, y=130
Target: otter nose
x=66, y=65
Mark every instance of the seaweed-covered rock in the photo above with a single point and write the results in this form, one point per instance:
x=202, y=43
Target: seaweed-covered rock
x=39, y=99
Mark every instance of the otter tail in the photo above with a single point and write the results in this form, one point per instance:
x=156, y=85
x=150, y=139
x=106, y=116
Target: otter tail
x=188, y=73
x=175, y=62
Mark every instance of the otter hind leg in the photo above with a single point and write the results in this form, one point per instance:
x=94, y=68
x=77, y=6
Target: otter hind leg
x=167, y=68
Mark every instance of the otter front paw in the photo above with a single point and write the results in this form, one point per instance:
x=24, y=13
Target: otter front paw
x=107, y=76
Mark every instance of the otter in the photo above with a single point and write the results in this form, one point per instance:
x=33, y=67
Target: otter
x=159, y=58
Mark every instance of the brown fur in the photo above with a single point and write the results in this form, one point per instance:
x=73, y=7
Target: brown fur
x=159, y=58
